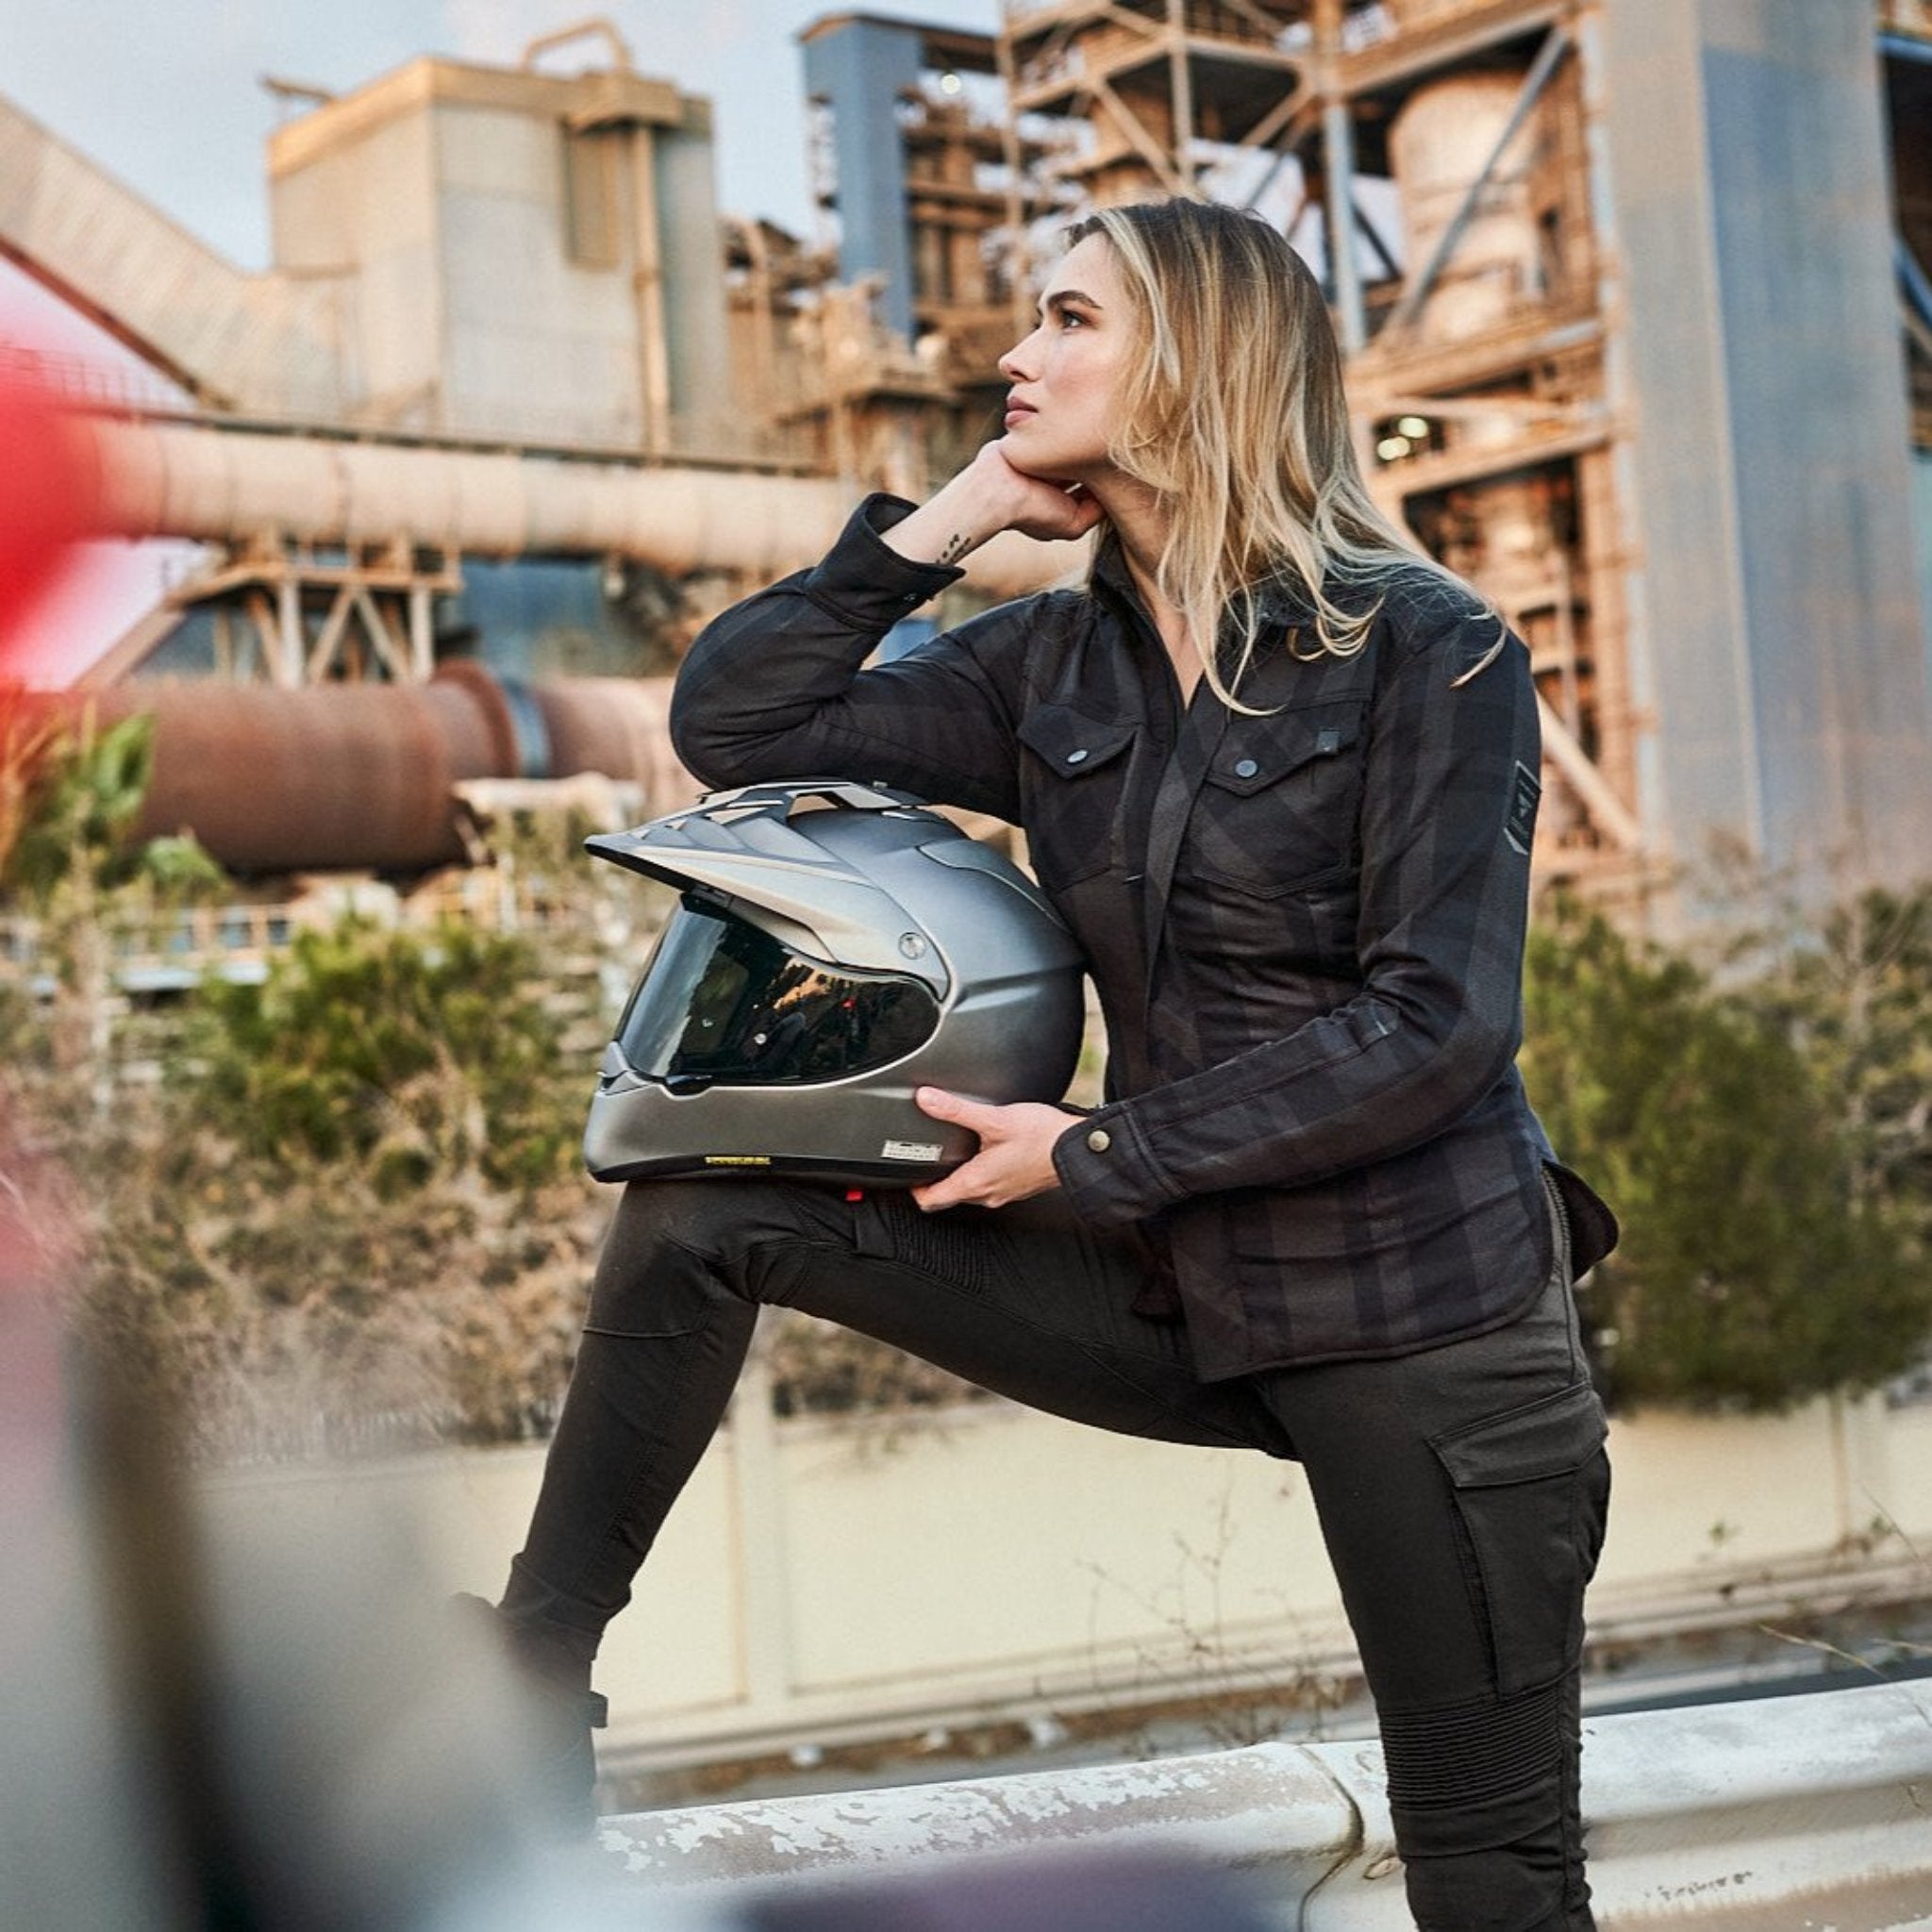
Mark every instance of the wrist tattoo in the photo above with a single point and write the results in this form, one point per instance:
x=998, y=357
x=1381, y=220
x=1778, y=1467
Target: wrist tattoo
x=952, y=547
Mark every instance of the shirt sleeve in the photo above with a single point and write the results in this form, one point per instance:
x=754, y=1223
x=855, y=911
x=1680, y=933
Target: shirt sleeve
x=775, y=687
x=1449, y=802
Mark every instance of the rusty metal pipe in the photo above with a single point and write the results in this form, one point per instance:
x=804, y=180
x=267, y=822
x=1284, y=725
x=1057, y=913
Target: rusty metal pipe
x=220, y=484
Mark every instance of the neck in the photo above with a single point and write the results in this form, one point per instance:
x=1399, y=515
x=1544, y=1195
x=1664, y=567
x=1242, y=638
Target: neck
x=1142, y=524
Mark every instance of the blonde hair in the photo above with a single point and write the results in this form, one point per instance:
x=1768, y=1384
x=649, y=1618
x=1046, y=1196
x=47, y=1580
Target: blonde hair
x=1234, y=417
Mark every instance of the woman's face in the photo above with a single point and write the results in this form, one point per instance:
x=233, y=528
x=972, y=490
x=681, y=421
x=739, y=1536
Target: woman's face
x=1066, y=375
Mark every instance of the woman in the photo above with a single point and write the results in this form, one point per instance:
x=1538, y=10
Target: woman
x=1278, y=774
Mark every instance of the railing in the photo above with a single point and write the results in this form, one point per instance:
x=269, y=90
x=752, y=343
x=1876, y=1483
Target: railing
x=172, y=950
x=85, y=384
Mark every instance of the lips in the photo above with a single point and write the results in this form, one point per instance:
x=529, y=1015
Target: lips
x=1018, y=412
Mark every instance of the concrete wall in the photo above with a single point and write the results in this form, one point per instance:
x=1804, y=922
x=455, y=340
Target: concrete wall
x=697, y=340
x=821, y=1582
x=534, y=339
x=1773, y=558
x=368, y=210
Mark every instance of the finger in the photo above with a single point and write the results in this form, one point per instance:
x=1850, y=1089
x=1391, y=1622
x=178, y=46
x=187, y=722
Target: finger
x=943, y=1105
x=965, y=1186
x=937, y=1196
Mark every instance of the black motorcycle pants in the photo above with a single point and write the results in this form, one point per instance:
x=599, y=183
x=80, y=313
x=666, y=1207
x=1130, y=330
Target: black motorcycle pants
x=1461, y=1490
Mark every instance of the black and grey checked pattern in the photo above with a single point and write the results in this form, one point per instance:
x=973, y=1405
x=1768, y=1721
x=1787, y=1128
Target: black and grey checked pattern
x=1306, y=926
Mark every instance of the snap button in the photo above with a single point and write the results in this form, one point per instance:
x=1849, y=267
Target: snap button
x=1100, y=1140
x=1246, y=769
x=1074, y=757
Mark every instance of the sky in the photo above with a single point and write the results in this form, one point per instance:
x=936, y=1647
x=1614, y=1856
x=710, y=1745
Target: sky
x=168, y=96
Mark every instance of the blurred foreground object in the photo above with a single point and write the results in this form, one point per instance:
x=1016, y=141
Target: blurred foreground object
x=258, y=1731
x=48, y=490
x=80, y=1846
x=1114, y=1892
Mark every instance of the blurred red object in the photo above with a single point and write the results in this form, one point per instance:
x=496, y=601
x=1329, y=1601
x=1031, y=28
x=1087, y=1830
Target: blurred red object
x=47, y=493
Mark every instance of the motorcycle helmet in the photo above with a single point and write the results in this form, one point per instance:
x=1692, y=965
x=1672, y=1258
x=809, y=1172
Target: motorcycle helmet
x=835, y=947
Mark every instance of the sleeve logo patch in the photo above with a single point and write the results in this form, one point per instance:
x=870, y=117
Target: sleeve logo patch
x=1525, y=789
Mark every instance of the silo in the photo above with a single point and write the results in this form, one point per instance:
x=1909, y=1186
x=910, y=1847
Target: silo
x=1438, y=142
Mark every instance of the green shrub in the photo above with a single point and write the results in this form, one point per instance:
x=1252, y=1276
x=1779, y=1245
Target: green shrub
x=411, y=1054
x=1753, y=1272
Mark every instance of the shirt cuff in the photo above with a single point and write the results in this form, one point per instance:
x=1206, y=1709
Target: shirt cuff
x=1108, y=1175
x=865, y=579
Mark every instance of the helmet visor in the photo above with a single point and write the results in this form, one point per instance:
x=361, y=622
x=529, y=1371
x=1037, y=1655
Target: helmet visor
x=722, y=1001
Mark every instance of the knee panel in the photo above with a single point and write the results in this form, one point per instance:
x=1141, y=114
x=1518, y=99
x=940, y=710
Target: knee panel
x=1485, y=1804
x=1476, y=1774
x=958, y=1248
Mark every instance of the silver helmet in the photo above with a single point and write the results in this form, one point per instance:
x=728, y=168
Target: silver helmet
x=835, y=947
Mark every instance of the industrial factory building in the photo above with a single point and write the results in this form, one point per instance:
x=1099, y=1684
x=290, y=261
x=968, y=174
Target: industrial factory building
x=1637, y=297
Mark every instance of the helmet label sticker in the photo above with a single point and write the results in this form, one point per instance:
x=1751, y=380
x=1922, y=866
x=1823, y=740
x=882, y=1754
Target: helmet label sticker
x=911, y=1150
x=738, y=1160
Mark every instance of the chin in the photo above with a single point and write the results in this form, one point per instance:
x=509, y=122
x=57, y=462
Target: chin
x=1042, y=464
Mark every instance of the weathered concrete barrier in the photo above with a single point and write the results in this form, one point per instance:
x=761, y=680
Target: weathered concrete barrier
x=1767, y=1803
x=1695, y=1814
x=826, y=1582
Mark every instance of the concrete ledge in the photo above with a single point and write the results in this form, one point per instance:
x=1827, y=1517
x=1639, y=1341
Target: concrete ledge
x=1760, y=1803
x=1693, y=1813
x=1271, y=1806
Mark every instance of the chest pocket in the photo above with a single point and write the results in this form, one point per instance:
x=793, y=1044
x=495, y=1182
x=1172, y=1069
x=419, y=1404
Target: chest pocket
x=1073, y=793
x=1278, y=812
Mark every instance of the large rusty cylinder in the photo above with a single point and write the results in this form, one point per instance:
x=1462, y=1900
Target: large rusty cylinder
x=349, y=776
x=618, y=726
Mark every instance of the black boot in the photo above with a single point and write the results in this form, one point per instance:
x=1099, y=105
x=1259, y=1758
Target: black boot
x=558, y=1711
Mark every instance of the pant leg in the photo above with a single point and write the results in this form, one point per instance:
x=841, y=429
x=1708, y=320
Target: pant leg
x=1462, y=1492
x=1023, y=1301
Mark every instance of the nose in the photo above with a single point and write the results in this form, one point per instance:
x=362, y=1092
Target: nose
x=1014, y=364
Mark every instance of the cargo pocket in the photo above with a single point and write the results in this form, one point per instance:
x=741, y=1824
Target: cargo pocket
x=1532, y=1490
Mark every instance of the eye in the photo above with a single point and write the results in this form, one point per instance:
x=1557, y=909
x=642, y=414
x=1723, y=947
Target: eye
x=1070, y=318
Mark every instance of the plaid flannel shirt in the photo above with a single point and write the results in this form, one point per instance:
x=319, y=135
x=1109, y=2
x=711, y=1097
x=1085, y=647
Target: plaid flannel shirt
x=1305, y=926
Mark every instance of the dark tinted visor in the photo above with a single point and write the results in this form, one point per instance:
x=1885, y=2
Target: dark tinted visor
x=722, y=1001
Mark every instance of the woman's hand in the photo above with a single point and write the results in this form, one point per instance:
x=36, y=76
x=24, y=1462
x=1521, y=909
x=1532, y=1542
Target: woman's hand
x=1042, y=506
x=989, y=495
x=1015, y=1158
